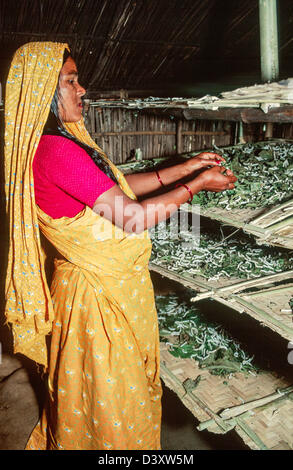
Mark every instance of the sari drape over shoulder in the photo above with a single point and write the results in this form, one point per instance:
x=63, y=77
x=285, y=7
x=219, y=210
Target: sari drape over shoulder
x=103, y=376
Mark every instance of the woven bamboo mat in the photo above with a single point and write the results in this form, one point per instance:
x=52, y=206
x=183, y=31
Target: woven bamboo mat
x=238, y=217
x=268, y=427
x=282, y=236
x=273, y=426
x=274, y=215
x=271, y=307
x=269, y=226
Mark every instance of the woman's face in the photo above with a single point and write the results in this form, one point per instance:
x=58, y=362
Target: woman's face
x=70, y=91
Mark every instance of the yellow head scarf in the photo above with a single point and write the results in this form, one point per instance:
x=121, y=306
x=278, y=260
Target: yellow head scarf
x=31, y=84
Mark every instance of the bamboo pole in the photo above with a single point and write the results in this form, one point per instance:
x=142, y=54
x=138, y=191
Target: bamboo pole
x=179, y=147
x=276, y=226
x=183, y=278
x=239, y=286
x=276, y=290
x=95, y=39
x=261, y=281
x=269, y=40
x=282, y=207
x=241, y=139
x=251, y=434
x=269, y=47
x=210, y=422
x=232, y=421
x=239, y=409
x=269, y=130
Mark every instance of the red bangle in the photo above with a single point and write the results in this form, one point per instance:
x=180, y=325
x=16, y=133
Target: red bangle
x=188, y=189
x=159, y=178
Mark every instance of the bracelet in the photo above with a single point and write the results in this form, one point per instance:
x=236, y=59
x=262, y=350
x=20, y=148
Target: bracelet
x=159, y=178
x=188, y=189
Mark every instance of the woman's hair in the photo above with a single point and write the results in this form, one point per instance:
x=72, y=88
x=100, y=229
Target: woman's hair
x=55, y=126
x=57, y=96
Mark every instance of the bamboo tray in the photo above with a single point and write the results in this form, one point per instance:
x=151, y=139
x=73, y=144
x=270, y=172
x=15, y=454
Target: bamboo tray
x=140, y=165
x=269, y=307
x=266, y=299
x=197, y=283
x=258, y=407
x=272, y=226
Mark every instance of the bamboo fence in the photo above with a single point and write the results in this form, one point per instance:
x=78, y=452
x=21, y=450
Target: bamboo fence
x=126, y=135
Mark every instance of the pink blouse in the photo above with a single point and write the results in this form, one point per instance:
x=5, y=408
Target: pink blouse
x=66, y=178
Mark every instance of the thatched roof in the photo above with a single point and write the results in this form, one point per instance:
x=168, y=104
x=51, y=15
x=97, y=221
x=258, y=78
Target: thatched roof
x=171, y=45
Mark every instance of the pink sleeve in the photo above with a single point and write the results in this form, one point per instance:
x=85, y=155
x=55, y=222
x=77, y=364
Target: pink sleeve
x=74, y=172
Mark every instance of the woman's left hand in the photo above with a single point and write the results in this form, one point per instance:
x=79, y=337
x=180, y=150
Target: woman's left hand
x=203, y=160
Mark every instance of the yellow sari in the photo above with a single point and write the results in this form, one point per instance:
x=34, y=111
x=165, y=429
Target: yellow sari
x=103, y=376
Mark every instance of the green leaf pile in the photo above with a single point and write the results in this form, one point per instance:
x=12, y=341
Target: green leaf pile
x=214, y=258
x=195, y=337
x=265, y=177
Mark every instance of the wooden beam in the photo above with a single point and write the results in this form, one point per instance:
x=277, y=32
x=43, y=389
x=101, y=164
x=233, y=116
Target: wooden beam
x=280, y=114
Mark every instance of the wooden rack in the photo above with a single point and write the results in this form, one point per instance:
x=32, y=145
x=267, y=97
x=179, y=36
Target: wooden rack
x=236, y=295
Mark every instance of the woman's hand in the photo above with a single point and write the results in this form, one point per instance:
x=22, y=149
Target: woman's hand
x=215, y=180
x=203, y=160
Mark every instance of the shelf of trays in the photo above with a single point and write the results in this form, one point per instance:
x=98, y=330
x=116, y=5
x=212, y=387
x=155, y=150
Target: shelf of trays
x=266, y=299
x=258, y=407
x=260, y=281
x=269, y=305
x=255, y=402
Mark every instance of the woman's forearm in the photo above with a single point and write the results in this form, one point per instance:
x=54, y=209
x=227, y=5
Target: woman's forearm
x=146, y=183
x=159, y=208
x=135, y=217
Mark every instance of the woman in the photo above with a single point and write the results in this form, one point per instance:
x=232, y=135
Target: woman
x=104, y=388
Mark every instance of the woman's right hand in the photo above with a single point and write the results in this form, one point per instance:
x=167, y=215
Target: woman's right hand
x=215, y=180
